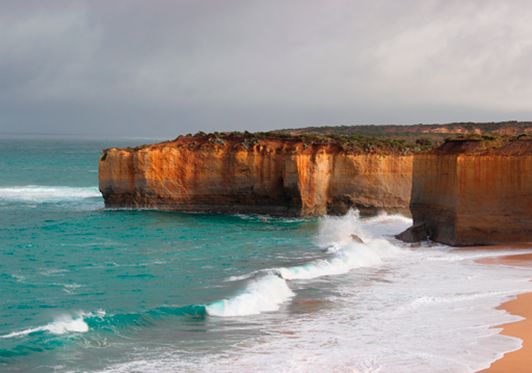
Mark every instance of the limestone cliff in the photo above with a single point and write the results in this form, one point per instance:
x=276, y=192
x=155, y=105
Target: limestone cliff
x=278, y=176
x=473, y=192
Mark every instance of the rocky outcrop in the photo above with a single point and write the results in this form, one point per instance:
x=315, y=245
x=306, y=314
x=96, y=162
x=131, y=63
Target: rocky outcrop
x=473, y=192
x=248, y=175
x=416, y=233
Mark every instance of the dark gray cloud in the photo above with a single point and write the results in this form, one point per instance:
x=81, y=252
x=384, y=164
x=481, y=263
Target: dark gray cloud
x=169, y=67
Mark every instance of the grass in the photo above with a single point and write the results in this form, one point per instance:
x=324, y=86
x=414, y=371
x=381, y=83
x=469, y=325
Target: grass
x=361, y=139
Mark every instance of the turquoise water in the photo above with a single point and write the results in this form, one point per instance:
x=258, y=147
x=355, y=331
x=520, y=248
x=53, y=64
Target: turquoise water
x=125, y=273
x=89, y=289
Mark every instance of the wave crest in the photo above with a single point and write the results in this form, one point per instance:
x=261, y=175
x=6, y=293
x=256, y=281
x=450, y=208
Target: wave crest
x=61, y=325
x=260, y=295
x=42, y=194
x=268, y=288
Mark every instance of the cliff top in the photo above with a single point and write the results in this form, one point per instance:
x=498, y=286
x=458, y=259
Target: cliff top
x=383, y=139
x=477, y=145
x=433, y=131
x=352, y=143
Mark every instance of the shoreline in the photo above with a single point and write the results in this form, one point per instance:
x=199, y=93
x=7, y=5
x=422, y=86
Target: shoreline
x=519, y=360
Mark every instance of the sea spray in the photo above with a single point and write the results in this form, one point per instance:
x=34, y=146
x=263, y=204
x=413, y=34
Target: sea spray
x=353, y=255
x=264, y=294
x=269, y=288
x=41, y=194
x=335, y=235
x=413, y=313
x=61, y=325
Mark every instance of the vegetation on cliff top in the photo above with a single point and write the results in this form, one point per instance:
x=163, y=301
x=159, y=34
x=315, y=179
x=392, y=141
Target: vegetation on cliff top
x=434, y=131
x=388, y=139
x=350, y=142
x=487, y=143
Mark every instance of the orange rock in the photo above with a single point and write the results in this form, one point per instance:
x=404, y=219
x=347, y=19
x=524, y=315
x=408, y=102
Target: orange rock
x=273, y=176
x=472, y=193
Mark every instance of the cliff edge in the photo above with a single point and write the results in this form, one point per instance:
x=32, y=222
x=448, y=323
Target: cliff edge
x=260, y=173
x=471, y=189
x=473, y=192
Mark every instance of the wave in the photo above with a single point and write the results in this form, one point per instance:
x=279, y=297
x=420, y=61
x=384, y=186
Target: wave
x=264, y=291
x=265, y=294
x=340, y=237
x=343, y=261
x=43, y=194
x=269, y=287
x=61, y=325
x=83, y=322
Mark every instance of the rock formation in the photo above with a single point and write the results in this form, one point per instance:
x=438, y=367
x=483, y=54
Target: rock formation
x=476, y=189
x=472, y=192
x=272, y=175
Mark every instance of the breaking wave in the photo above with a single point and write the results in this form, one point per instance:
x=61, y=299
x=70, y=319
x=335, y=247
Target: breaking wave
x=38, y=193
x=350, y=243
x=47, y=194
x=83, y=322
x=61, y=325
x=261, y=295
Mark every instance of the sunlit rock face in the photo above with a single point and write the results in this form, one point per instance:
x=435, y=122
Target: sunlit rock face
x=473, y=192
x=272, y=176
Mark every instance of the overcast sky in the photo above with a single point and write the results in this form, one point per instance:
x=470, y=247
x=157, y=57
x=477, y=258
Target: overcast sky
x=162, y=68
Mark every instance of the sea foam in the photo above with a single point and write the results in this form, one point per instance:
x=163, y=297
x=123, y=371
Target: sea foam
x=264, y=294
x=269, y=288
x=61, y=325
x=335, y=235
x=409, y=310
x=41, y=194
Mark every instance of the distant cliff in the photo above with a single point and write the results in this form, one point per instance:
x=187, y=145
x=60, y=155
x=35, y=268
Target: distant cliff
x=433, y=132
x=250, y=173
x=469, y=192
x=474, y=188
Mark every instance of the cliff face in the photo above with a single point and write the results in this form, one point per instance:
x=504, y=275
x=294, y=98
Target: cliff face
x=465, y=193
x=278, y=177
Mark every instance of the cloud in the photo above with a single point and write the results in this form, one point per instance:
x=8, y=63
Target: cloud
x=468, y=55
x=46, y=54
x=179, y=66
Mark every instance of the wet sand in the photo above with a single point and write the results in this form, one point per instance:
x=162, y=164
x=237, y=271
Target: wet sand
x=520, y=360
x=524, y=260
x=510, y=246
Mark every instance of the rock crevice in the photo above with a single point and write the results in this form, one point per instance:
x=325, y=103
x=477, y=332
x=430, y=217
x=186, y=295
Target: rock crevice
x=270, y=176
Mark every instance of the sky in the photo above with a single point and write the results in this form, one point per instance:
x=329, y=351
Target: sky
x=164, y=68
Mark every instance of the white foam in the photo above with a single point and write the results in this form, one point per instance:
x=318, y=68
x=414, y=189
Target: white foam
x=264, y=294
x=353, y=255
x=268, y=292
x=335, y=234
x=40, y=194
x=411, y=311
x=61, y=325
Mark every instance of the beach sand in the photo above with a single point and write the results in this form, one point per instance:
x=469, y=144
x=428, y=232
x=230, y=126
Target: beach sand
x=520, y=360
x=524, y=260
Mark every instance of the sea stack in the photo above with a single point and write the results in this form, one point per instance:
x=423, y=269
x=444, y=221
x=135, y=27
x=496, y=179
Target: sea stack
x=252, y=173
x=473, y=191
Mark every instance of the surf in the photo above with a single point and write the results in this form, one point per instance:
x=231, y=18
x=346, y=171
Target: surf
x=61, y=325
x=44, y=194
x=269, y=288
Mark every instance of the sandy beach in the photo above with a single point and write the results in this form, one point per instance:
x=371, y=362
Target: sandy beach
x=520, y=360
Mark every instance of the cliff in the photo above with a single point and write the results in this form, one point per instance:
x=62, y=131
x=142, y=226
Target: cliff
x=472, y=192
x=434, y=132
x=246, y=173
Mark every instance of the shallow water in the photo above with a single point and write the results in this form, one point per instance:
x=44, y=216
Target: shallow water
x=89, y=289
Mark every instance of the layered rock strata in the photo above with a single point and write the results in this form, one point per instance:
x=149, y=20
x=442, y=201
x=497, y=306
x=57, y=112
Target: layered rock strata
x=473, y=193
x=273, y=176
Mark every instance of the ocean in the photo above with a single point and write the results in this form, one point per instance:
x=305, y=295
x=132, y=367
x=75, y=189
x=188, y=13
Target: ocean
x=89, y=289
